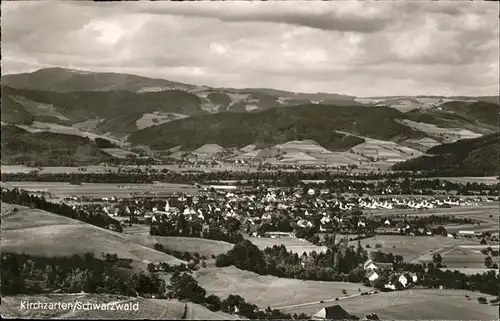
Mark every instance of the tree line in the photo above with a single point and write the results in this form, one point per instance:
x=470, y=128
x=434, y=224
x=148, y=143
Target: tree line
x=177, y=225
x=27, y=274
x=22, y=197
x=339, y=263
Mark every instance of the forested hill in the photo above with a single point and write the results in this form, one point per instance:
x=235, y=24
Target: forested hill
x=468, y=157
x=279, y=125
x=48, y=149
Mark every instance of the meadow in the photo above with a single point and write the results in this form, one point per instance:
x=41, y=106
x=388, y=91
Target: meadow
x=481, y=212
x=42, y=233
x=293, y=244
x=412, y=248
x=422, y=304
x=60, y=189
x=266, y=290
x=184, y=244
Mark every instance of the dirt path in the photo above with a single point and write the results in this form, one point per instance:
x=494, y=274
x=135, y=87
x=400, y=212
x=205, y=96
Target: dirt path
x=319, y=302
x=428, y=256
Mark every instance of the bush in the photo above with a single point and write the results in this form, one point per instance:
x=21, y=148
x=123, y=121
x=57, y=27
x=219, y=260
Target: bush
x=378, y=246
x=482, y=300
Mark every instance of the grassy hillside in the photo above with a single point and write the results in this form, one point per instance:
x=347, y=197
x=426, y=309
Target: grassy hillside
x=183, y=244
x=81, y=106
x=220, y=99
x=48, y=149
x=468, y=157
x=414, y=304
x=266, y=290
x=481, y=111
x=14, y=113
x=42, y=233
x=278, y=125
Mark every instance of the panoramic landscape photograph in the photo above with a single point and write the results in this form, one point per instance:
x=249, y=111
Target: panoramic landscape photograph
x=250, y=160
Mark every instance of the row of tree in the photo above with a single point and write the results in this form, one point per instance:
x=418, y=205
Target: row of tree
x=27, y=274
x=339, y=263
x=22, y=197
x=177, y=225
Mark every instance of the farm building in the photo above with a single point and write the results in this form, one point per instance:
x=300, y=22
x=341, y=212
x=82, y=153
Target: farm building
x=334, y=312
x=372, y=276
x=223, y=187
x=466, y=233
x=369, y=265
x=372, y=316
x=278, y=234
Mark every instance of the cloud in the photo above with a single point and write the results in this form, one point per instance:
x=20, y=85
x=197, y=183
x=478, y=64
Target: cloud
x=357, y=48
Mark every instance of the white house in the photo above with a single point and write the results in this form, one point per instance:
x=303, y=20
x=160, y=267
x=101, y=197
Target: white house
x=369, y=265
x=372, y=276
x=403, y=280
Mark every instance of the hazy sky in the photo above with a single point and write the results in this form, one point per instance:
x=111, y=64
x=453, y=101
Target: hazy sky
x=354, y=48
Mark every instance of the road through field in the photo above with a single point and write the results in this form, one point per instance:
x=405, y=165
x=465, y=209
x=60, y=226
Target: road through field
x=319, y=302
x=428, y=256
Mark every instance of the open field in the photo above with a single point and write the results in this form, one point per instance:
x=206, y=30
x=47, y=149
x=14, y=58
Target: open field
x=385, y=150
x=483, y=227
x=410, y=247
x=104, y=169
x=467, y=257
x=482, y=211
x=118, y=152
x=13, y=169
x=61, y=129
x=136, y=229
x=147, y=308
x=422, y=304
x=184, y=244
x=448, y=135
x=156, y=118
x=470, y=271
x=270, y=290
x=488, y=180
x=38, y=232
x=293, y=244
x=100, y=189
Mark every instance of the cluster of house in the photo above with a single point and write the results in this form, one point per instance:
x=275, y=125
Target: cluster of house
x=373, y=273
x=254, y=207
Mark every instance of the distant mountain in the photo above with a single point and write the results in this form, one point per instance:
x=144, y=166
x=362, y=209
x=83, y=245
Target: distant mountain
x=480, y=117
x=279, y=125
x=48, y=149
x=469, y=157
x=14, y=113
x=106, y=106
x=67, y=80
x=480, y=111
x=120, y=105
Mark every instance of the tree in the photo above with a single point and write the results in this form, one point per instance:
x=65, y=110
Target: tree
x=437, y=259
x=380, y=283
x=213, y=302
x=488, y=262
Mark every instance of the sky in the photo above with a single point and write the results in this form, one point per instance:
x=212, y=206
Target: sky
x=352, y=48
